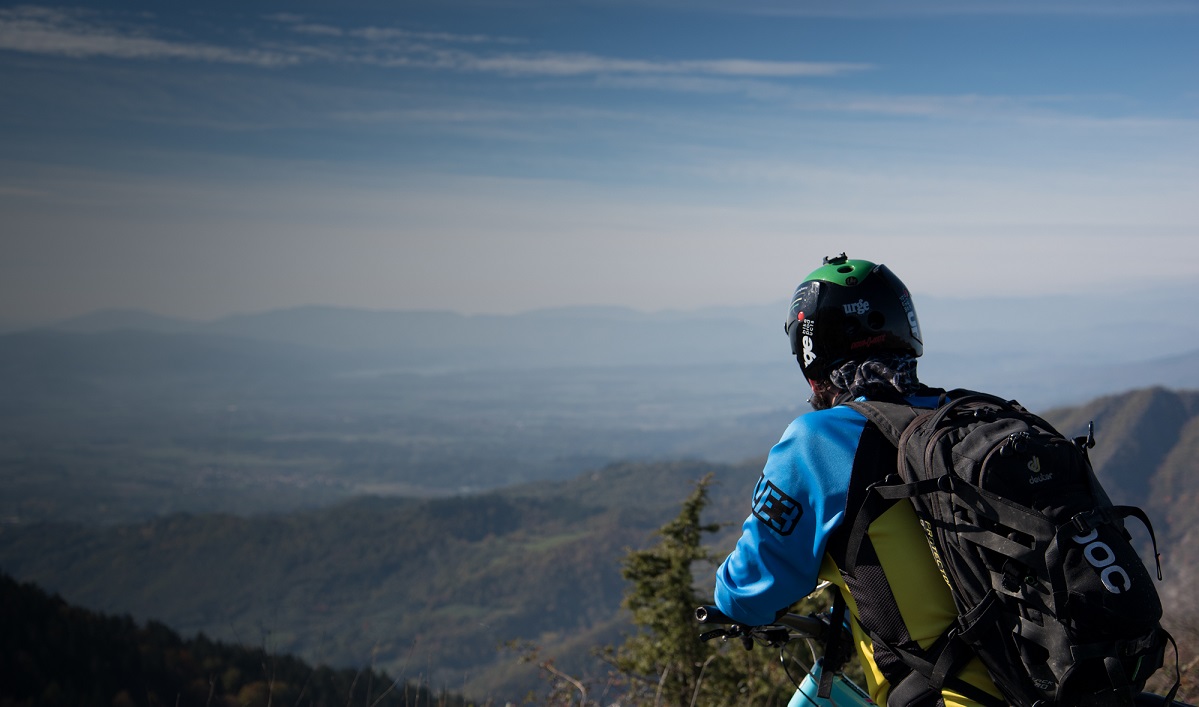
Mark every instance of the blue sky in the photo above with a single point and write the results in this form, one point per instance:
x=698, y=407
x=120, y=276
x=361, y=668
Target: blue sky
x=210, y=158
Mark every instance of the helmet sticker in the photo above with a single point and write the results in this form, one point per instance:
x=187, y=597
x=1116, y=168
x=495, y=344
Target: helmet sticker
x=906, y=300
x=878, y=339
x=808, y=329
x=859, y=307
x=808, y=354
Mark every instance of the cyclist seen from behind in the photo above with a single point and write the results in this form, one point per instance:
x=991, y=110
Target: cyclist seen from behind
x=815, y=517
x=854, y=330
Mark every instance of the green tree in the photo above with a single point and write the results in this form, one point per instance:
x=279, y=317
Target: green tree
x=665, y=663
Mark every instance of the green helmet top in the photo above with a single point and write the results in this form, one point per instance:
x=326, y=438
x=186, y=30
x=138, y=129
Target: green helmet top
x=842, y=271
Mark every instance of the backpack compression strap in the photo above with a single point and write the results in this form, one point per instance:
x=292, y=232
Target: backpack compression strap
x=836, y=648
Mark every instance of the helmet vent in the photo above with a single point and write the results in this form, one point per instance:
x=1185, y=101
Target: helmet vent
x=876, y=320
x=845, y=268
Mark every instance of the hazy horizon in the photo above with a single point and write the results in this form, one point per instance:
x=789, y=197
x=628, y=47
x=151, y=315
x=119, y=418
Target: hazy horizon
x=1177, y=292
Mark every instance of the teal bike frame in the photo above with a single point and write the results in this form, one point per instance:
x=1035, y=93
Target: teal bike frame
x=845, y=692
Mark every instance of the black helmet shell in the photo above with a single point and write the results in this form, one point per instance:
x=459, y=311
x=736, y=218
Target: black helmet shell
x=847, y=310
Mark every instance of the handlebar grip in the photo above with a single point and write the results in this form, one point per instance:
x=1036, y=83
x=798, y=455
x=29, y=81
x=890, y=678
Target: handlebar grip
x=711, y=615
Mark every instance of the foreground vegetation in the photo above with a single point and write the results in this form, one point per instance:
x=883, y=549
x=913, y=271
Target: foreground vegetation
x=54, y=654
x=664, y=663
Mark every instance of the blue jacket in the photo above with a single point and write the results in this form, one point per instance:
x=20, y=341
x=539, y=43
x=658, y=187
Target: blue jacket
x=797, y=506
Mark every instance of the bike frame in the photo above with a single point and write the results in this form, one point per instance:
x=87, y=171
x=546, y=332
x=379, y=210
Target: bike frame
x=845, y=692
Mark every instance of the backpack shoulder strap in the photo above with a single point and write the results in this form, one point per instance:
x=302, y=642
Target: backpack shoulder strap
x=890, y=418
x=882, y=487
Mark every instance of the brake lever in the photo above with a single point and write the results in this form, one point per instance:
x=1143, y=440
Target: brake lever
x=718, y=633
x=731, y=631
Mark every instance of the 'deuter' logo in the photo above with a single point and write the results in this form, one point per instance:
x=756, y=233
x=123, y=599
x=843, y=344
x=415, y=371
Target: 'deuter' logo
x=1037, y=477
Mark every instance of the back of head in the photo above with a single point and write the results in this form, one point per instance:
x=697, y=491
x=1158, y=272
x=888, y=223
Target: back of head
x=851, y=311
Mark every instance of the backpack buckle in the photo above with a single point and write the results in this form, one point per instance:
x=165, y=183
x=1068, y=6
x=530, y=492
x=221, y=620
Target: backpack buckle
x=1087, y=521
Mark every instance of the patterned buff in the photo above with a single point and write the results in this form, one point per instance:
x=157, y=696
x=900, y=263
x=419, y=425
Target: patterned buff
x=884, y=371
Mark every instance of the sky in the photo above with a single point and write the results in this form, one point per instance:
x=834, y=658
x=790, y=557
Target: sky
x=203, y=159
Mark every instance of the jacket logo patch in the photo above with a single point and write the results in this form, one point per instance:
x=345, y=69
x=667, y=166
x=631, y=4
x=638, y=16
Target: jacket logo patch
x=776, y=509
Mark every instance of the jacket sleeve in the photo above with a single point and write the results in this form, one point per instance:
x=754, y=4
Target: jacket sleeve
x=797, y=503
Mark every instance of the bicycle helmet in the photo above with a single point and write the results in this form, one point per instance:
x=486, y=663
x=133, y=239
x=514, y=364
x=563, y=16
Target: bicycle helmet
x=846, y=310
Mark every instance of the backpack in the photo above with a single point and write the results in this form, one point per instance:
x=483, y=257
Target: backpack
x=1051, y=595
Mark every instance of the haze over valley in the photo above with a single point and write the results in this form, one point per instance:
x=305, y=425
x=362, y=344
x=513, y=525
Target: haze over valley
x=121, y=416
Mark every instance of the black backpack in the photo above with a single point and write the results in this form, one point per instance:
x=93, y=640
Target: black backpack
x=1051, y=595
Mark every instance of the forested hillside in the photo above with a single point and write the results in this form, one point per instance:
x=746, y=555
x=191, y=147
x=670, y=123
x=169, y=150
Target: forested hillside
x=52, y=654
x=427, y=589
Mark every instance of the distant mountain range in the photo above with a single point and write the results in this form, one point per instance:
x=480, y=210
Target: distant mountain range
x=436, y=586
x=1042, y=350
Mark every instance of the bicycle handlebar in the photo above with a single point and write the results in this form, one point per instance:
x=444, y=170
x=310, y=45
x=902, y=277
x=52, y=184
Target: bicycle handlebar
x=815, y=626
x=711, y=615
x=785, y=628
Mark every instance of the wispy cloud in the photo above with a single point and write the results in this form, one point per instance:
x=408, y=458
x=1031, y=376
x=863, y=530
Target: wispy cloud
x=577, y=64
x=807, y=99
x=37, y=30
x=301, y=25
x=876, y=9
x=317, y=29
x=83, y=34
x=379, y=34
x=582, y=64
